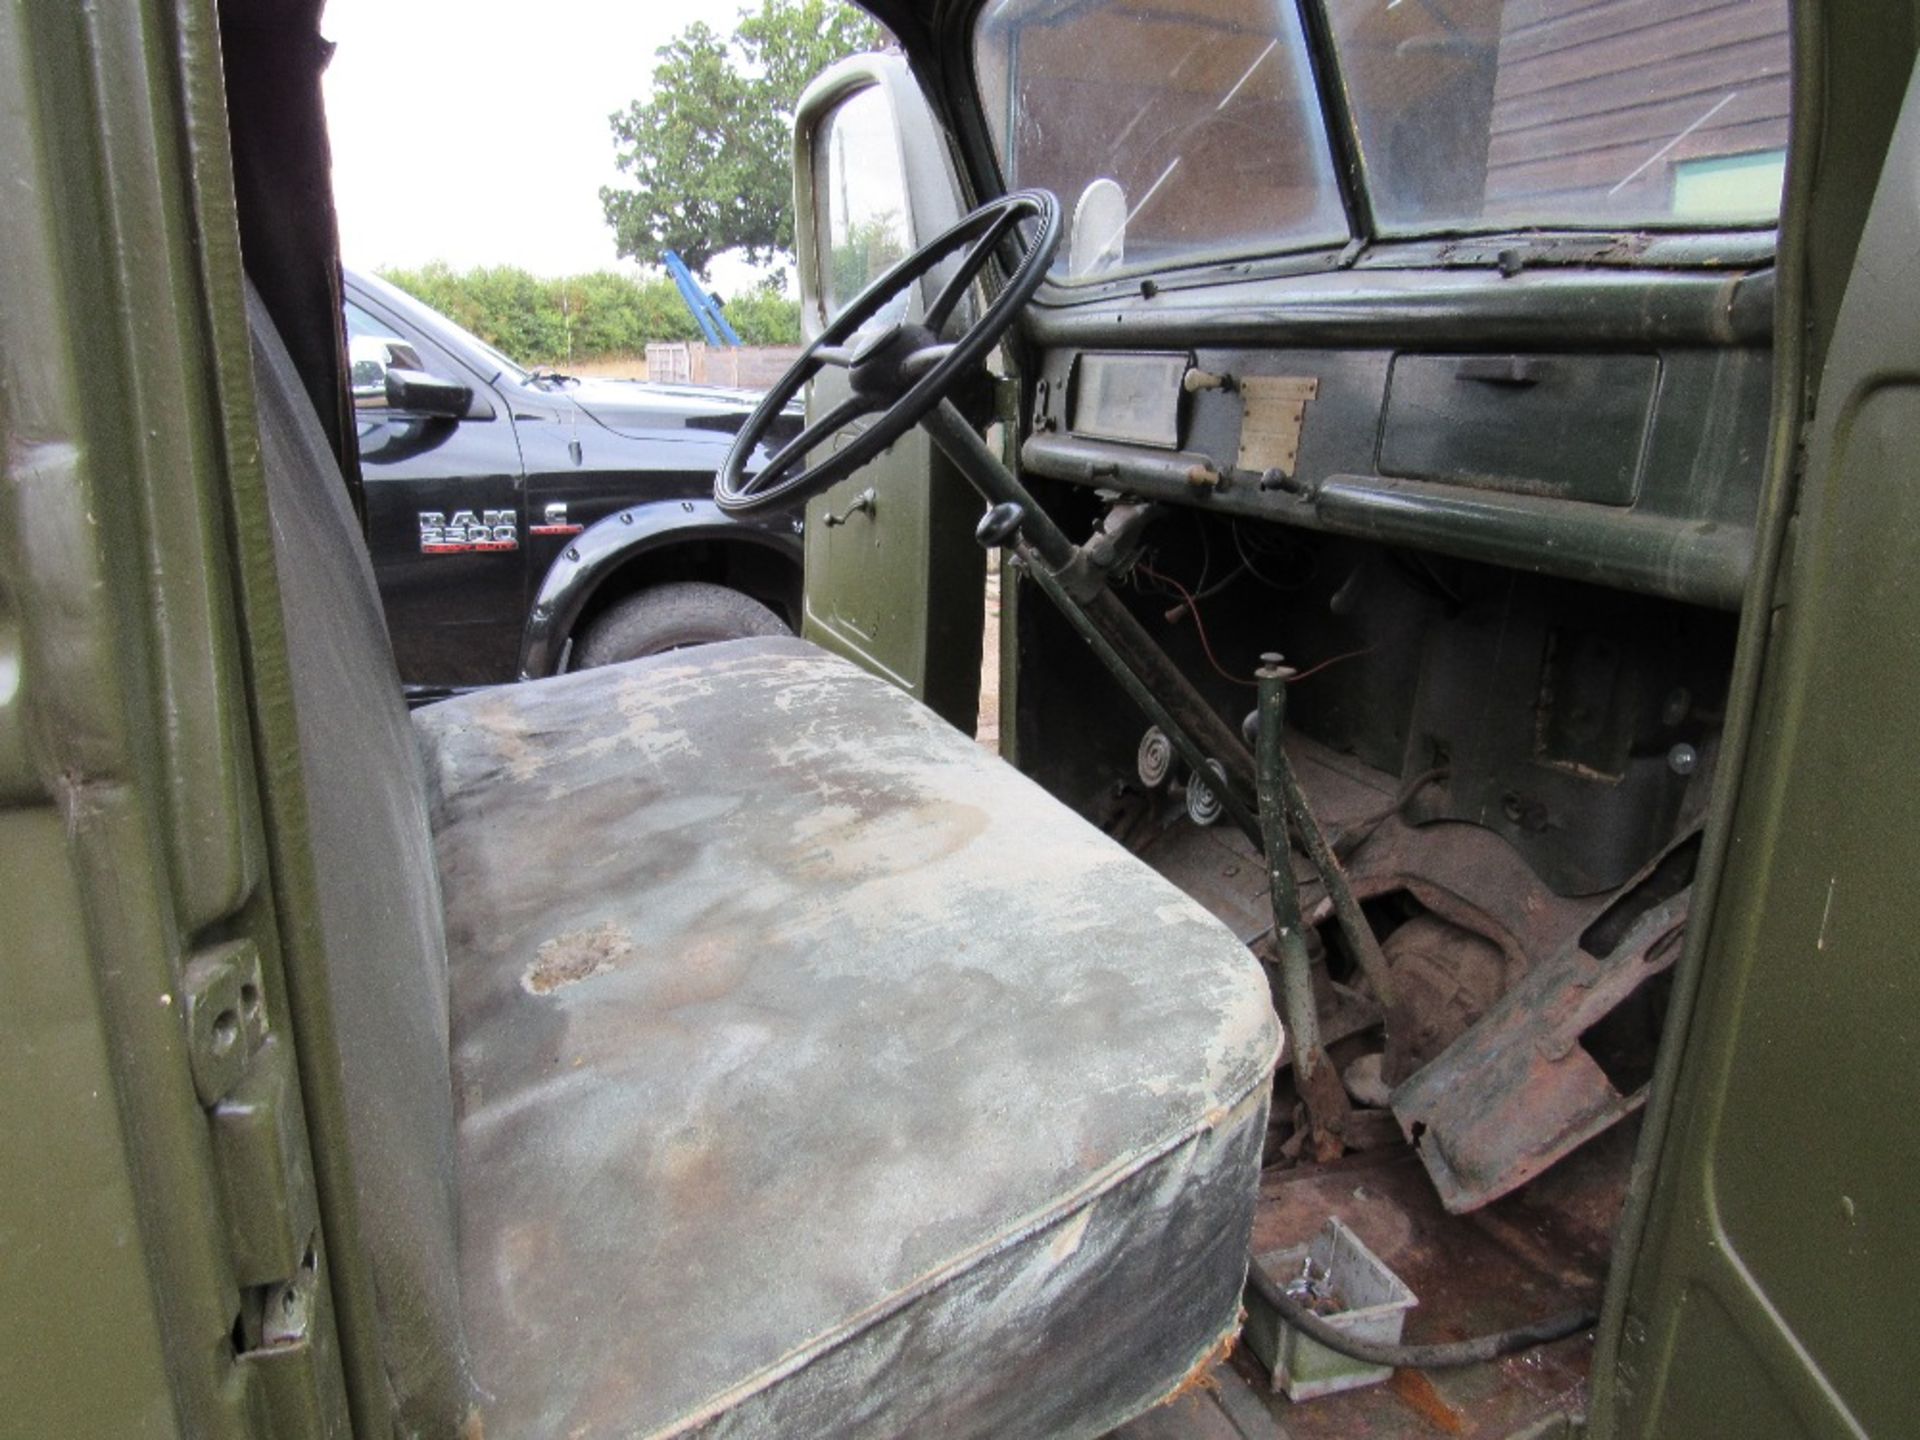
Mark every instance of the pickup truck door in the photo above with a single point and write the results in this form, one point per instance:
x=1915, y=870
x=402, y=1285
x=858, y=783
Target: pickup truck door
x=1773, y=1291
x=444, y=521
x=894, y=583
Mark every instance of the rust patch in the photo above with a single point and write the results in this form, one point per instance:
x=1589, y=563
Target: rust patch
x=1420, y=1396
x=1520, y=1089
x=577, y=955
x=1201, y=1376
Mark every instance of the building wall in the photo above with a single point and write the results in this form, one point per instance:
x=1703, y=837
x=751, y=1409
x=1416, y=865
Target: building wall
x=1605, y=98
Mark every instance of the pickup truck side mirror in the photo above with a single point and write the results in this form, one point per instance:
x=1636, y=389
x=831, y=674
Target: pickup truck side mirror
x=425, y=394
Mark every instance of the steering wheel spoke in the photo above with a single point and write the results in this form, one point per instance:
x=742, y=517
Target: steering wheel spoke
x=898, y=369
x=961, y=281
x=815, y=435
x=924, y=359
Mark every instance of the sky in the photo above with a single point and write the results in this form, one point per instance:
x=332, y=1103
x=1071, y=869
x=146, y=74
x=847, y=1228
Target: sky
x=476, y=132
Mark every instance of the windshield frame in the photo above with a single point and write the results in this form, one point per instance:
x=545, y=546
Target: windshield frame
x=1496, y=242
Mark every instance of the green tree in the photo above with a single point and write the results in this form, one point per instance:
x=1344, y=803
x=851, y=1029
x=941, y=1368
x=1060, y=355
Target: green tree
x=765, y=317
x=710, y=154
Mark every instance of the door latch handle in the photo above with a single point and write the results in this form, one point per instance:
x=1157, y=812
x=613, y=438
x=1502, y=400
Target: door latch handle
x=1516, y=370
x=863, y=501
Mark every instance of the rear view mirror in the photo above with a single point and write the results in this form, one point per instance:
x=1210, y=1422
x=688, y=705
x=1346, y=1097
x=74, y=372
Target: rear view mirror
x=426, y=394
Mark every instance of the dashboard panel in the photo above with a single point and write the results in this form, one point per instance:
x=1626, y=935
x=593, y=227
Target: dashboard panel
x=1623, y=453
x=1645, y=481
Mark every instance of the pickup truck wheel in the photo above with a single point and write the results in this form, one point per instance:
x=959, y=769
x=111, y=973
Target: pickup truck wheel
x=672, y=617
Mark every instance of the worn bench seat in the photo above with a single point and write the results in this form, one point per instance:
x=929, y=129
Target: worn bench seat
x=816, y=1073
x=729, y=1046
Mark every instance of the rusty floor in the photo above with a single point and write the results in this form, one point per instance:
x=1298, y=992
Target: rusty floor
x=1536, y=1253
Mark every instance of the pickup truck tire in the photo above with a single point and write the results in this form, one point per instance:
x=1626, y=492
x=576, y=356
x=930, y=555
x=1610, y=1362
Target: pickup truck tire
x=671, y=617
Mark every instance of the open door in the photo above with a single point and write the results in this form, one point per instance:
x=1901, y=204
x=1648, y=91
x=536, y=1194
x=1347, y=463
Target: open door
x=893, y=576
x=1773, y=1293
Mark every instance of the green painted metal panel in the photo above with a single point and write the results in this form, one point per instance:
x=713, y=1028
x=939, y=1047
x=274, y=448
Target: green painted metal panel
x=890, y=589
x=1773, y=1294
x=133, y=838
x=80, y=1349
x=895, y=585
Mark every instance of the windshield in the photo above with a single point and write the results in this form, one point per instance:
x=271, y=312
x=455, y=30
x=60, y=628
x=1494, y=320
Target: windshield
x=1485, y=114
x=1157, y=126
x=1185, y=127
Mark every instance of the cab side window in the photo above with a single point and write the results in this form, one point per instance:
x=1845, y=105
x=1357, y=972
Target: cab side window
x=860, y=201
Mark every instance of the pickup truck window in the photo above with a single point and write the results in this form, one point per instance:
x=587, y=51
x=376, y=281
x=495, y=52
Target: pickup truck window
x=1173, y=132
x=1490, y=114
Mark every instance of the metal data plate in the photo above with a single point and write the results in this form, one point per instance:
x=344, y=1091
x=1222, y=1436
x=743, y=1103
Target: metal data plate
x=1274, y=408
x=1131, y=398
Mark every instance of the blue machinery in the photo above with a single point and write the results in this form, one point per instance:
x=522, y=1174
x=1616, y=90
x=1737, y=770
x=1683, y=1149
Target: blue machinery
x=706, y=310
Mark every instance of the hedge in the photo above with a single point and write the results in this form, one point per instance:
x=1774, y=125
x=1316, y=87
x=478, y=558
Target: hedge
x=583, y=317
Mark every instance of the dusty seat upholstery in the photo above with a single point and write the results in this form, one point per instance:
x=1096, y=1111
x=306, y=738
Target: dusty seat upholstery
x=817, y=1073
x=814, y=1073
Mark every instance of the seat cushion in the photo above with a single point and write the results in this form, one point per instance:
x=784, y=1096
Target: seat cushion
x=817, y=1073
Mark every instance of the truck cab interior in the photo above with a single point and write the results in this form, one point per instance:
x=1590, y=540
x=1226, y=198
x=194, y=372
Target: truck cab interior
x=1454, y=602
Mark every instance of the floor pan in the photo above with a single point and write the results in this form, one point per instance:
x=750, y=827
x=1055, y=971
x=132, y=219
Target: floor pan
x=1541, y=1251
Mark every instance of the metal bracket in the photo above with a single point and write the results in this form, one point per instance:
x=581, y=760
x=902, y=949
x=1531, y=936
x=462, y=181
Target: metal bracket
x=226, y=1017
x=258, y=1137
x=285, y=1341
x=1080, y=577
x=1108, y=551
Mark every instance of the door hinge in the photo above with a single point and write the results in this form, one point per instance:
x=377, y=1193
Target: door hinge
x=244, y=1076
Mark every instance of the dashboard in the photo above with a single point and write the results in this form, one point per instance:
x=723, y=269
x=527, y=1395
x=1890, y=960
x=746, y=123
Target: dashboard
x=1622, y=454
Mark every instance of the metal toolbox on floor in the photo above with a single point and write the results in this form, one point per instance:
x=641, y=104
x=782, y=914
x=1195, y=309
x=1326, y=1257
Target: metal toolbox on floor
x=1349, y=1287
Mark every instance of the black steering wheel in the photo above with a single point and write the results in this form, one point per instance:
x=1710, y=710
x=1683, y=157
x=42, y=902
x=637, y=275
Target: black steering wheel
x=898, y=370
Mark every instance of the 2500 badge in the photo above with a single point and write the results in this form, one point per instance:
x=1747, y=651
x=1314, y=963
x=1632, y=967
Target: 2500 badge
x=467, y=531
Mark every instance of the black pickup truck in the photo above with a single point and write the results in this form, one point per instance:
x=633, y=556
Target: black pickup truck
x=524, y=522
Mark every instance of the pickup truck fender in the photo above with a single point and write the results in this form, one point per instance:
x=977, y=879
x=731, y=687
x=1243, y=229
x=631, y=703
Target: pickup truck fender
x=605, y=546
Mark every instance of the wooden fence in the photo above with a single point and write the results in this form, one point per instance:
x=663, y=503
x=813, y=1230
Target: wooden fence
x=750, y=367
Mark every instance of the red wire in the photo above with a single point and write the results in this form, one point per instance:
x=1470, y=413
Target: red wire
x=1316, y=669
x=1193, y=609
x=1200, y=628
